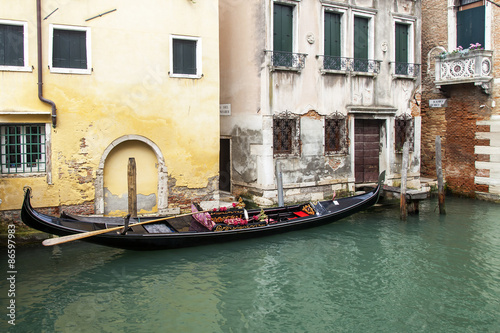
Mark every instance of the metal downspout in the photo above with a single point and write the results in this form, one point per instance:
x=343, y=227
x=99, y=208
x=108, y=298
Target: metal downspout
x=39, y=45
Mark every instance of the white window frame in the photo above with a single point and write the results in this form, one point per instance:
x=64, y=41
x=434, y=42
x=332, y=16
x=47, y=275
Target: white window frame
x=411, y=38
x=61, y=70
x=452, y=24
x=26, y=67
x=343, y=28
x=199, y=70
x=8, y=171
x=295, y=23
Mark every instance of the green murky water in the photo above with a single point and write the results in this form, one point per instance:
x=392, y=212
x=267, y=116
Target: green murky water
x=368, y=273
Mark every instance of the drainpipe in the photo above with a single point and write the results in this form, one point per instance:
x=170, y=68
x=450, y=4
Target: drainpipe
x=39, y=44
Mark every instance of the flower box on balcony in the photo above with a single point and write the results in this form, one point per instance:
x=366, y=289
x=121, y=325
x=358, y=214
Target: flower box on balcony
x=470, y=67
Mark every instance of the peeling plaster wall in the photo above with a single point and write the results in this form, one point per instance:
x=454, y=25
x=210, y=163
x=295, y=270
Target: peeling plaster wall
x=129, y=92
x=256, y=92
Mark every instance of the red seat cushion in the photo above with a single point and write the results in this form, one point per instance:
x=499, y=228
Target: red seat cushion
x=301, y=214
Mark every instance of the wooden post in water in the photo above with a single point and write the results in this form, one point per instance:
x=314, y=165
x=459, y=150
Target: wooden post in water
x=439, y=173
x=132, y=187
x=404, y=173
x=279, y=184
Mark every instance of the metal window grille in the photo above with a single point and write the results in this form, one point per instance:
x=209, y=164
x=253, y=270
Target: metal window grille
x=22, y=149
x=404, y=131
x=336, y=141
x=286, y=134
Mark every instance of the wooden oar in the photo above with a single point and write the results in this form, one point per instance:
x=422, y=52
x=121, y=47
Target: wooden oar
x=69, y=238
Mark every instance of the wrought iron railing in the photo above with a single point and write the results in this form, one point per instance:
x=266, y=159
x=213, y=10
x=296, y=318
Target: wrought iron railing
x=406, y=69
x=331, y=63
x=336, y=63
x=288, y=60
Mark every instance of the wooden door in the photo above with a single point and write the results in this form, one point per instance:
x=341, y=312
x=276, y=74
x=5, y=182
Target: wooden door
x=366, y=150
x=225, y=165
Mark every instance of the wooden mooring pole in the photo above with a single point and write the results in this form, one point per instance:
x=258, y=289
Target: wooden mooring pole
x=404, y=174
x=132, y=187
x=439, y=173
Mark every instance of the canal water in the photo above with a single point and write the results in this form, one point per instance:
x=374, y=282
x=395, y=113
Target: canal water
x=368, y=273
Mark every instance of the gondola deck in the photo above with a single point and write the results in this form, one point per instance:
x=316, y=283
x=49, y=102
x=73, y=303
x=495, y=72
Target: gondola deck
x=186, y=231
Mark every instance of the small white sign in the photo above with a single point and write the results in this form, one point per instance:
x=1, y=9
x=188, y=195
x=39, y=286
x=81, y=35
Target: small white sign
x=225, y=109
x=438, y=103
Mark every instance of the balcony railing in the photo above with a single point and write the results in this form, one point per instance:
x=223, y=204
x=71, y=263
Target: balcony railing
x=287, y=60
x=342, y=64
x=403, y=69
x=473, y=67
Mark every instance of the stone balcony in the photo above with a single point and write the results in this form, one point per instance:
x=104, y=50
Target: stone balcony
x=472, y=67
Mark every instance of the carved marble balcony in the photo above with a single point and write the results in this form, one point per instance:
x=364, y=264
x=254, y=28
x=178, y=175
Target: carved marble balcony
x=472, y=67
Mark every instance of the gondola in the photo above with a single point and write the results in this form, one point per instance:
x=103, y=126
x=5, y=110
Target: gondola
x=200, y=227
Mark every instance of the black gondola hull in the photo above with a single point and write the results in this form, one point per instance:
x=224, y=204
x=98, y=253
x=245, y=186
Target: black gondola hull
x=158, y=241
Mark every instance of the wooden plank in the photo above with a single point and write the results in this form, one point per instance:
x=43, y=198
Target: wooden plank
x=132, y=187
x=404, y=173
x=439, y=173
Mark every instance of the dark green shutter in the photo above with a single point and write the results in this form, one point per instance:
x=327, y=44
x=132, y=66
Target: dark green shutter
x=11, y=45
x=332, y=34
x=361, y=44
x=283, y=28
x=69, y=49
x=401, y=48
x=283, y=35
x=470, y=27
x=184, y=56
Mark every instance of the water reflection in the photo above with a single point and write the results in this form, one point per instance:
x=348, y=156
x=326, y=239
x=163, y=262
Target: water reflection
x=370, y=272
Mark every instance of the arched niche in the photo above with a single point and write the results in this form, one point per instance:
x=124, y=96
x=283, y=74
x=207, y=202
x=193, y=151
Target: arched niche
x=162, y=173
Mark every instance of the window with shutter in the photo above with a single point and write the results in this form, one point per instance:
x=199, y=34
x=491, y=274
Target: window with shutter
x=332, y=41
x=283, y=35
x=401, y=35
x=185, y=57
x=11, y=45
x=14, y=46
x=69, y=50
x=470, y=26
x=361, y=44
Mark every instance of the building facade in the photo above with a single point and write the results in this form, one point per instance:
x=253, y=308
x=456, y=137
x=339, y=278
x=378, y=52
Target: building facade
x=460, y=94
x=325, y=92
x=86, y=85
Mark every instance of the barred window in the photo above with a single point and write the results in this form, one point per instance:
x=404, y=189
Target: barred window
x=336, y=134
x=404, y=131
x=286, y=134
x=22, y=149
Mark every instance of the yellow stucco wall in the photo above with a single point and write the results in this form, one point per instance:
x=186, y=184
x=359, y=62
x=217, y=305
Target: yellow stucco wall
x=129, y=92
x=115, y=177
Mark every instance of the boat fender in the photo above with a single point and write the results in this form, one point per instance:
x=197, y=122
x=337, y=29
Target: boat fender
x=245, y=213
x=126, y=221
